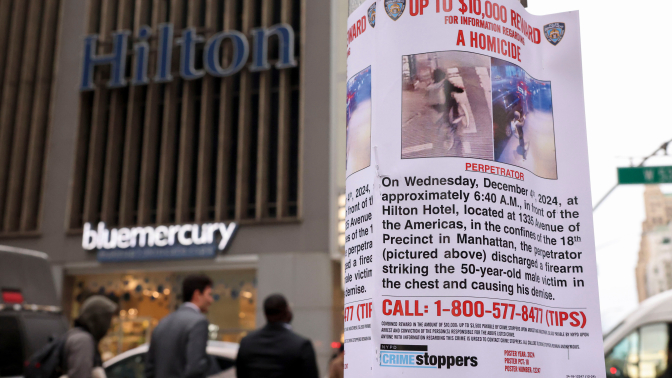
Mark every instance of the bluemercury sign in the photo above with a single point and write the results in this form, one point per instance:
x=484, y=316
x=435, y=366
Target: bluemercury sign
x=469, y=247
x=212, y=61
x=157, y=243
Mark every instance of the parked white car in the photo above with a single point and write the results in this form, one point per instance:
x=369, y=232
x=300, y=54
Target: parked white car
x=640, y=345
x=131, y=364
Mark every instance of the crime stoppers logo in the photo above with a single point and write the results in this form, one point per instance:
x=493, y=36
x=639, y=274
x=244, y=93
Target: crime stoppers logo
x=417, y=356
x=372, y=15
x=395, y=8
x=554, y=32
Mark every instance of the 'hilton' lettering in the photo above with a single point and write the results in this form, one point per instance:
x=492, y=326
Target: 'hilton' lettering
x=211, y=54
x=399, y=210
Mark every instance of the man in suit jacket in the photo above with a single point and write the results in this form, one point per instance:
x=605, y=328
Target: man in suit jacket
x=275, y=351
x=177, y=348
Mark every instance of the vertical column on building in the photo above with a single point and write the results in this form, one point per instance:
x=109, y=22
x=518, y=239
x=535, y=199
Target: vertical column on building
x=284, y=135
x=5, y=17
x=9, y=95
x=244, y=135
x=188, y=127
x=261, y=205
x=24, y=114
x=134, y=126
x=152, y=123
x=115, y=133
x=206, y=126
x=169, y=133
x=39, y=122
x=85, y=113
x=99, y=118
x=225, y=124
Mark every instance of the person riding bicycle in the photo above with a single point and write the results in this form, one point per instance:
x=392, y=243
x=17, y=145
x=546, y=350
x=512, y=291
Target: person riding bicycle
x=517, y=122
x=448, y=90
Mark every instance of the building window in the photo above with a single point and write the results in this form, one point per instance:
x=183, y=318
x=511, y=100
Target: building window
x=28, y=32
x=623, y=360
x=147, y=297
x=211, y=149
x=643, y=353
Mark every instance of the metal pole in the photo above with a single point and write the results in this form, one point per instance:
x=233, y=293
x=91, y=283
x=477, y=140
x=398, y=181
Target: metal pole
x=605, y=196
x=662, y=147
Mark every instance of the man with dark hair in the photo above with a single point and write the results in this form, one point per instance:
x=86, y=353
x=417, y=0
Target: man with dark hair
x=193, y=284
x=177, y=348
x=275, y=351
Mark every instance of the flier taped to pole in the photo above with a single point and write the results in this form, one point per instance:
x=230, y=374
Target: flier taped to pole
x=469, y=232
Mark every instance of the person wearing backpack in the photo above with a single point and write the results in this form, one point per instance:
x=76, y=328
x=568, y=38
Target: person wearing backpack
x=80, y=351
x=75, y=354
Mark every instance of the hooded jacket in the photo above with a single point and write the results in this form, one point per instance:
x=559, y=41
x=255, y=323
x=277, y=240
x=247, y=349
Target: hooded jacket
x=81, y=346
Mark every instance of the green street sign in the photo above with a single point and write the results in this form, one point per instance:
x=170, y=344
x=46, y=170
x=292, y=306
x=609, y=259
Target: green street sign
x=645, y=175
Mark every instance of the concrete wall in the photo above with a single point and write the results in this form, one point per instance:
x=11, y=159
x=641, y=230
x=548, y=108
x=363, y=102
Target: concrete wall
x=353, y=4
x=305, y=280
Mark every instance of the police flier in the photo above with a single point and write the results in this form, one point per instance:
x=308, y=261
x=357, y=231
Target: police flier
x=469, y=233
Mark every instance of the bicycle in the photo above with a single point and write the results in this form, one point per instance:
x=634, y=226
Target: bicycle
x=458, y=116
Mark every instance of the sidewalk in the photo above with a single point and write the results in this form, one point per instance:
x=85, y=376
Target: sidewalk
x=420, y=136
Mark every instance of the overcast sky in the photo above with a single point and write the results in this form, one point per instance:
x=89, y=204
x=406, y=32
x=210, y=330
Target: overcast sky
x=626, y=69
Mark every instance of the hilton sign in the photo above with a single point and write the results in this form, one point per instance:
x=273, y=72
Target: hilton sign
x=211, y=54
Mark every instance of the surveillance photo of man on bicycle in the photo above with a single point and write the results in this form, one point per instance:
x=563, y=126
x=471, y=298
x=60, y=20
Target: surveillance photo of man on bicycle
x=446, y=105
x=459, y=104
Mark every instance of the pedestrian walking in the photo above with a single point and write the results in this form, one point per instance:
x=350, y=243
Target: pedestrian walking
x=80, y=352
x=518, y=122
x=336, y=368
x=75, y=354
x=177, y=347
x=442, y=94
x=275, y=351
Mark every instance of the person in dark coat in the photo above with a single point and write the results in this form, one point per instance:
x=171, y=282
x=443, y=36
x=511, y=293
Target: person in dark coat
x=275, y=351
x=449, y=91
x=80, y=352
x=177, y=347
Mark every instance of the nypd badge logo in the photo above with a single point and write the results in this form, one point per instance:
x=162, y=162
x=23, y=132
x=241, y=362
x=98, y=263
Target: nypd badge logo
x=372, y=15
x=395, y=8
x=554, y=32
